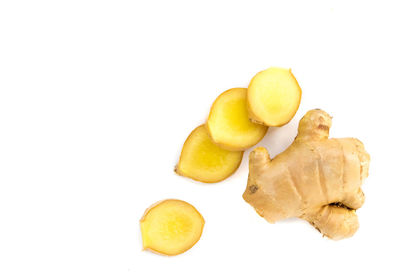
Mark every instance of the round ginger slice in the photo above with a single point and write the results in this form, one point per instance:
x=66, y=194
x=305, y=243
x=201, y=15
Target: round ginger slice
x=202, y=160
x=229, y=124
x=273, y=97
x=171, y=227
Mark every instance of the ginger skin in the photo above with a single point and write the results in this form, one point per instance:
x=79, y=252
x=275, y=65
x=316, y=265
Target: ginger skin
x=316, y=179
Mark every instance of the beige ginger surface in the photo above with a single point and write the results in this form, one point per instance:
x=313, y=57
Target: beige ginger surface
x=316, y=179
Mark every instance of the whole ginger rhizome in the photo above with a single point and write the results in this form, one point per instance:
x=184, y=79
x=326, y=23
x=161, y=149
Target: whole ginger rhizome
x=316, y=179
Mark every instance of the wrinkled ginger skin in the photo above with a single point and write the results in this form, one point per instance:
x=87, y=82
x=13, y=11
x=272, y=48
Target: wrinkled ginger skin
x=316, y=179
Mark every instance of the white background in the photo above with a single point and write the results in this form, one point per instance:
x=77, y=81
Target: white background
x=97, y=98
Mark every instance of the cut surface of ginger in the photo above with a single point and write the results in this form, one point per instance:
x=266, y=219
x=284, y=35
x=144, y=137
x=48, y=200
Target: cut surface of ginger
x=171, y=227
x=273, y=97
x=202, y=160
x=228, y=122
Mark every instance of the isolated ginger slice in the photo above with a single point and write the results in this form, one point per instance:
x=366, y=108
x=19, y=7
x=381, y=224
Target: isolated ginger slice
x=202, y=160
x=273, y=97
x=228, y=122
x=171, y=227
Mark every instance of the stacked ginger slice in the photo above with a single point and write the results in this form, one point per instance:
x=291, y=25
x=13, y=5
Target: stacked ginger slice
x=238, y=119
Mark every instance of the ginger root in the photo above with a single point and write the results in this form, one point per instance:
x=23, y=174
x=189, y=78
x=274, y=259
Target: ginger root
x=202, y=160
x=228, y=123
x=171, y=227
x=273, y=97
x=316, y=179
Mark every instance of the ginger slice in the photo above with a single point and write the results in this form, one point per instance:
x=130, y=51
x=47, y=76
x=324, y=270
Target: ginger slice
x=202, y=160
x=171, y=227
x=273, y=97
x=228, y=122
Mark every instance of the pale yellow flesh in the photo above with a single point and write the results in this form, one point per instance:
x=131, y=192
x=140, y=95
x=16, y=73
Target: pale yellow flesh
x=229, y=124
x=171, y=227
x=202, y=160
x=273, y=97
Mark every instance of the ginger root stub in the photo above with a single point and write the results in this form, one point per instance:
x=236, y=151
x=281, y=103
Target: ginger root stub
x=316, y=179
